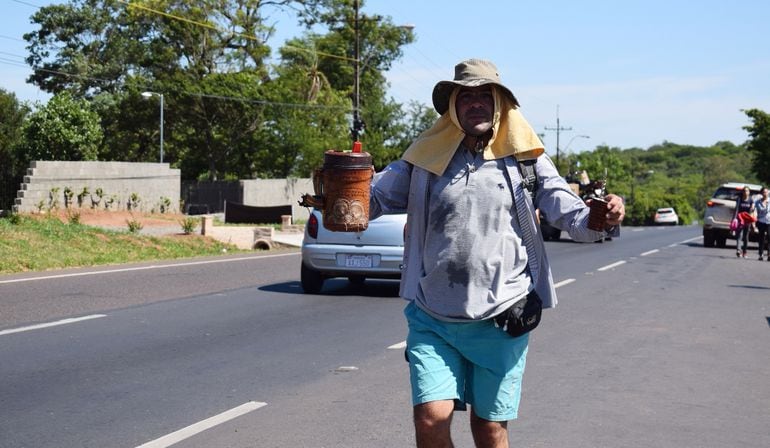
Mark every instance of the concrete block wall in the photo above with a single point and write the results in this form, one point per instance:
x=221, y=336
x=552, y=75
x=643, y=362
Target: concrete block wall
x=269, y=192
x=150, y=181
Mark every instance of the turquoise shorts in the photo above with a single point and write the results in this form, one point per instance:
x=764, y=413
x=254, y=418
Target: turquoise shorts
x=474, y=363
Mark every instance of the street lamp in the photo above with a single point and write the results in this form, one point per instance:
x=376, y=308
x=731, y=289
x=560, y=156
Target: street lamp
x=573, y=138
x=149, y=95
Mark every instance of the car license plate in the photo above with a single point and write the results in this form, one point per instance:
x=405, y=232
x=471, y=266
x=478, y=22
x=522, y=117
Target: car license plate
x=358, y=261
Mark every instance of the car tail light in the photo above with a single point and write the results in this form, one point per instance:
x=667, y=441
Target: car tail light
x=405, y=224
x=709, y=203
x=312, y=226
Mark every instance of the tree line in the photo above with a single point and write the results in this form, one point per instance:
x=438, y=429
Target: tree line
x=230, y=113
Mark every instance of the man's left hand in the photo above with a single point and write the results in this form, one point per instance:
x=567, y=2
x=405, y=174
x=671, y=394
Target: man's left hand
x=616, y=210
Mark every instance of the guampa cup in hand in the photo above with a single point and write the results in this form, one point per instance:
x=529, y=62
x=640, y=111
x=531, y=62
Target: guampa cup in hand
x=597, y=218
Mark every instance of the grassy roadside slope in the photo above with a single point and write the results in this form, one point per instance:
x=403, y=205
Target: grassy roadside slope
x=31, y=243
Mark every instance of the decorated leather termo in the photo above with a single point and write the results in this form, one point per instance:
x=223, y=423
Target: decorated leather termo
x=342, y=190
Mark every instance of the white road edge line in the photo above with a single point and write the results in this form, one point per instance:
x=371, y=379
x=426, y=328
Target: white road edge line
x=196, y=428
x=51, y=324
x=563, y=282
x=649, y=252
x=398, y=346
x=691, y=239
x=613, y=265
x=143, y=268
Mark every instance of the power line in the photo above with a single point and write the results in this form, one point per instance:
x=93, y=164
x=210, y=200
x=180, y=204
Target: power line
x=11, y=62
x=212, y=27
x=13, y=55
x=27, y=4
x=201, y=24
x=220, y=97
x=268, y=103
x=11, y=38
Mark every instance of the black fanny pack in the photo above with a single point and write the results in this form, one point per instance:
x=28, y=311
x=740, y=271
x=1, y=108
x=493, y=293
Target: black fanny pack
x=522, y=317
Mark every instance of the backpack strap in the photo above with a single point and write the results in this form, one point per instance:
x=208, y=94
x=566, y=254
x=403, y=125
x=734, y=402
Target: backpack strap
x=529, y=176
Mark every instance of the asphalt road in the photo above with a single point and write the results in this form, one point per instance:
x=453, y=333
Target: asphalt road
x=656, y=341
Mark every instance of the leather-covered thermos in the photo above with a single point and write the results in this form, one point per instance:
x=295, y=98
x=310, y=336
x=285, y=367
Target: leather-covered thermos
x=342, y=190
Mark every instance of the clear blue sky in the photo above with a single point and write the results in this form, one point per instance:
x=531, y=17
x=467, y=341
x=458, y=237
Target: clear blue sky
x=628, y=74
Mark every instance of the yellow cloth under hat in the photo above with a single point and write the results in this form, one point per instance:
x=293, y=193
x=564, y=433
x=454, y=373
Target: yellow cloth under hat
x=511, y=136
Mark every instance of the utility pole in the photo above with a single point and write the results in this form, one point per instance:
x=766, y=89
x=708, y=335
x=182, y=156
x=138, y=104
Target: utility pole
x=358, y=124
x=558, y=129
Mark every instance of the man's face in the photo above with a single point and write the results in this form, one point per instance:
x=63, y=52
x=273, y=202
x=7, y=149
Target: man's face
x=475, y=108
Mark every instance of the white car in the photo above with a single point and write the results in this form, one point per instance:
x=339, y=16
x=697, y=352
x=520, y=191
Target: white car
x=377, y=252
x=666, y=216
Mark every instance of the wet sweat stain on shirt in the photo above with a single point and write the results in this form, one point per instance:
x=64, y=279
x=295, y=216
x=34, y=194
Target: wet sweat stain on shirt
x=474, y=260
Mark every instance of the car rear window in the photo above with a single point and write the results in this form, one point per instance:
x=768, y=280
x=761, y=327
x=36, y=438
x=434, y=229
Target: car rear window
x=731, y=193
x=665, y=210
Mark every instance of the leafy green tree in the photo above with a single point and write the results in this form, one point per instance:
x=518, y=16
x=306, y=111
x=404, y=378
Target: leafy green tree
x=380, y=45
x=85, y=47
x=12, y=116
x=297, y=140
x=195, y=53
x=63, y=129
x=131, y=126
x=666, y=175
x=759, y=144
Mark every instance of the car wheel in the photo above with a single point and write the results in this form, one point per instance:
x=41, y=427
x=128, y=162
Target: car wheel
x=708, y=239
x=721, y=242
x=312, y=280
x=356, y=279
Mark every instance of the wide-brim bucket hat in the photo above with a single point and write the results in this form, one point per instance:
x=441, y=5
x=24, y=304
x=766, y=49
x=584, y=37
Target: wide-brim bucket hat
x=470, y=73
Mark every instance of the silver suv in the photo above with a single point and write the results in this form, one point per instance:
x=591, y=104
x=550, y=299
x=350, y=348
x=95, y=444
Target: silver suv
x=720, y=211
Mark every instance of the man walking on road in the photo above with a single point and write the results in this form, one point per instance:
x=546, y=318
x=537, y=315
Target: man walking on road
x=475, y=269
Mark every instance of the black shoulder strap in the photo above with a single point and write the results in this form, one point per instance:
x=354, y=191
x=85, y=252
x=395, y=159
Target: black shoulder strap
x=529, y=176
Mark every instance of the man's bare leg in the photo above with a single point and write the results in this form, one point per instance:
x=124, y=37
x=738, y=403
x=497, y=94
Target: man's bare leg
x=488, y=434
x=432, y=424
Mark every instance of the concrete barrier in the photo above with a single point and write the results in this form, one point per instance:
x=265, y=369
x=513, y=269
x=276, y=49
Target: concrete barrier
x=270, y=192
x=155, y=185
x=151, y=182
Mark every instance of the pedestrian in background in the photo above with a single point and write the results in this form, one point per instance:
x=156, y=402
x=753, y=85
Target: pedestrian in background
x=744, y=209
x=473, y=252
x=763, y=220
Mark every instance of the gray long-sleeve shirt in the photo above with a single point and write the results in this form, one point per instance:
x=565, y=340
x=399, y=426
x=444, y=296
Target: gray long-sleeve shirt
x=444, y=212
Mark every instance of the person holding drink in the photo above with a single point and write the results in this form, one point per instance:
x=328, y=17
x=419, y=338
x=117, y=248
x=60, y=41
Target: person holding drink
x=475, y=269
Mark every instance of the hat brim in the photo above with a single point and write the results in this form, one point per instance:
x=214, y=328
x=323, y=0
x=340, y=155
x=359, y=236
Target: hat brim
x=443, y=91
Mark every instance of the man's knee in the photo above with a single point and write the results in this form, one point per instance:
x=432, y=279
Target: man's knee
x=434, y=417
x=489, y=433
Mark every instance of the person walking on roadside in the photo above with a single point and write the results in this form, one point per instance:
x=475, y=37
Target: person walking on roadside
x=473, y=254
x=744, y=208
x=763, y=220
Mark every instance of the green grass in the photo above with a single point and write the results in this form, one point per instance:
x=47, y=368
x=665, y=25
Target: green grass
x=38, y=244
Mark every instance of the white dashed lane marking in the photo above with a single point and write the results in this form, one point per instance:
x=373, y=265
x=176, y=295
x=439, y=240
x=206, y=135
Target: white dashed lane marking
x=51, y=324
x=203, y=425
x=613, y=265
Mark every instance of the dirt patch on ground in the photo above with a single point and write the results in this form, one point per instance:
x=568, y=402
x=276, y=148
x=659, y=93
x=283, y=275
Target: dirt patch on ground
x=104, y=218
